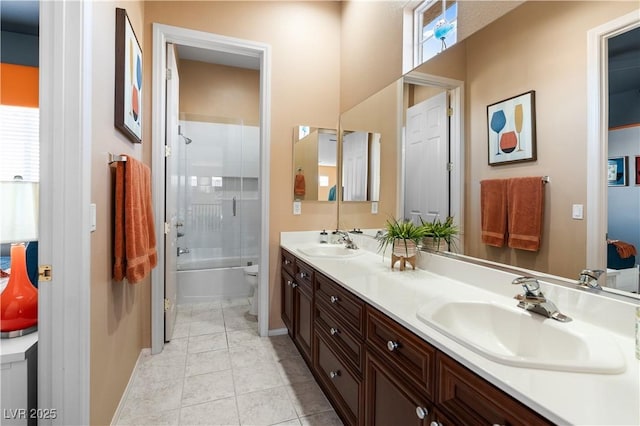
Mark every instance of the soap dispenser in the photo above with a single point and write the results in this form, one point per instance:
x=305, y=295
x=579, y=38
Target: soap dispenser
x=324, y=237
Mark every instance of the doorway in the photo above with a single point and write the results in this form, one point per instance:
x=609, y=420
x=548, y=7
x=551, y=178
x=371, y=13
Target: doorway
x=223, y=48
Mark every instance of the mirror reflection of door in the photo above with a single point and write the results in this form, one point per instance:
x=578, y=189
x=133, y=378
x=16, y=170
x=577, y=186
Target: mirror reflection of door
x=355, y=159
x=623, y=194
x=426, y=158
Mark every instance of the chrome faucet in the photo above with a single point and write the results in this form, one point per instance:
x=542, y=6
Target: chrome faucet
x=589, y=279
x=183, y=251
x=346, y=239
x=533, y=300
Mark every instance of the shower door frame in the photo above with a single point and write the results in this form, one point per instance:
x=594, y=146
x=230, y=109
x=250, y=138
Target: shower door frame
x=163, y=34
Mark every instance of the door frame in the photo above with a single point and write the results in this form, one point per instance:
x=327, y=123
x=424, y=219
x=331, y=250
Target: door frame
x=598, y=134
x=163, y=34
x=64, y=241
x=456, y=143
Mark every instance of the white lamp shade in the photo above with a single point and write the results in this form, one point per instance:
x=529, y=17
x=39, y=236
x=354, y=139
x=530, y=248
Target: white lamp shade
x=19, y=211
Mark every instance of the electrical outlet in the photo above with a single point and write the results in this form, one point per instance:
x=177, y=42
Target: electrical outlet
x=374, y=207
x=577, y=211
x=297, y=207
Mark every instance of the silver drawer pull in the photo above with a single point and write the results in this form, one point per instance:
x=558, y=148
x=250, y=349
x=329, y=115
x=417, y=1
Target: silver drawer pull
x=289, y=283
x=294, y=285
x=287, y=262
x=421, y=412
x=334, y=299
x=392, y=346
x=334, y=374
x=334, y=331
x=304, y=275
x=434, y=423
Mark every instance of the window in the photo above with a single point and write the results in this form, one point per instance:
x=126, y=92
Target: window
x=434, y=30
x=19, y=143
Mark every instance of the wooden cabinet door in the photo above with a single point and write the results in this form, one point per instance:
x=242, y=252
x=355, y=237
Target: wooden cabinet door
x=390, y=401
x=287, y=287
x=303, y=323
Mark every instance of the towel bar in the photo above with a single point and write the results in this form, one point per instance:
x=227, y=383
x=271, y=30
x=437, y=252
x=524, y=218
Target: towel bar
x=115, y=158
x=546, y=179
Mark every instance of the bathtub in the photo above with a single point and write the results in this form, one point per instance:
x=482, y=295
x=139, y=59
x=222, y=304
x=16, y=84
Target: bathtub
x=202, y=278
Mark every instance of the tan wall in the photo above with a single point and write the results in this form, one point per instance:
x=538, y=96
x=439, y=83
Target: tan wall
x=219, y=91
x=540, y=46
x=305, y=88
x=371, y=49
x=120, y=312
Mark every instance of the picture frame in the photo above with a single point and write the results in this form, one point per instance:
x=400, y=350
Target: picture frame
x=511, y=130
x=617, y=171
x=637, y=169
x=128, y=79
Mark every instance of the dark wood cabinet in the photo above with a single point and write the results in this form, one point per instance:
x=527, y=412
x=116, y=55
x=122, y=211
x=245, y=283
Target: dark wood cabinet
x=377, y=372
x=390, y=400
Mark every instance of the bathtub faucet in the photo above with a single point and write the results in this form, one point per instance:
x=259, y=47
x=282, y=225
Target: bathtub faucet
x=183, y=251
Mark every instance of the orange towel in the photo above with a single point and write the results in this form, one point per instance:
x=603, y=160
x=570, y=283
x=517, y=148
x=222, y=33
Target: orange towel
x=135, y=239
x=525, y=205
x=493, y=211
x=625, y=250
x=299, y=185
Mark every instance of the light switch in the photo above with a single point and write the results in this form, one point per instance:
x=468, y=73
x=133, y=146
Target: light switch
x=374, y=207
x=577, y=211
x=93, y=216
x=297, y=207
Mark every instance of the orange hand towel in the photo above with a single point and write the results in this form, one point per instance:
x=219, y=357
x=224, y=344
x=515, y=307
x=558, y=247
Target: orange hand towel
x=299, y=185
x=493, y=211
x=525, y=205
x=135, y=239
x=625, y=250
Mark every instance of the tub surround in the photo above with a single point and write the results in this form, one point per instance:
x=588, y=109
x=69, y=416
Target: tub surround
x=562, y=397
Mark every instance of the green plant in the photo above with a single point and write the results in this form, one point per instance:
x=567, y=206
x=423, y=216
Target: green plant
x=404, y=230
x=441, y=231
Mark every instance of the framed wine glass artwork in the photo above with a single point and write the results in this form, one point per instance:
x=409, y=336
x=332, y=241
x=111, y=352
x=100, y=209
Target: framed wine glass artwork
x=511, y=129
x=128, y=73
x=617, y=174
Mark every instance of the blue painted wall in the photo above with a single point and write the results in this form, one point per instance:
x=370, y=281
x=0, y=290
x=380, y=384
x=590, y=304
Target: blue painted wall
x=19, y=49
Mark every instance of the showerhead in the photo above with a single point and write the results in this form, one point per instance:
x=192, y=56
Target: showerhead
x=187, y=140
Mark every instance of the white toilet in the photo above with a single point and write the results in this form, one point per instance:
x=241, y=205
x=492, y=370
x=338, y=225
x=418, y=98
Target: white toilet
x=251, y=277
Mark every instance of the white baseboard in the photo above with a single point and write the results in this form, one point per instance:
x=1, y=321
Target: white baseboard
x=123, y=398
x=278, y=331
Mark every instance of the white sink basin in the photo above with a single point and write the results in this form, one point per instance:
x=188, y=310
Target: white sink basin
x=329, y=250
x=513, y=336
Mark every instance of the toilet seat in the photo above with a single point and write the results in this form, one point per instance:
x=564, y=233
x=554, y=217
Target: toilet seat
x=251, y=270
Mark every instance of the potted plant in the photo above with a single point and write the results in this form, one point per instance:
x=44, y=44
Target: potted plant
x=404, y=236
x=436, y=232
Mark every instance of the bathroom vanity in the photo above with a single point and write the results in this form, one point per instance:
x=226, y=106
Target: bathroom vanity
x=364, y=331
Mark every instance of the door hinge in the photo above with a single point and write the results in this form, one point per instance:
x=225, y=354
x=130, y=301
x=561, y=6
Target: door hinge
x=167, y=305
x=449, y=167
x=167, y=228
x=167, y=151
x=44, y=273
x=450, y=112
x=168, y=73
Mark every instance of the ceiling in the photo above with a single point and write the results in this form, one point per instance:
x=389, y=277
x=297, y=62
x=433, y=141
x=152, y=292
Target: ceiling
x=21, y=16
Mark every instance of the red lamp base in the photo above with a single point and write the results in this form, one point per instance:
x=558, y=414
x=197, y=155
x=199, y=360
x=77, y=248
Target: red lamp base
x=19, y=300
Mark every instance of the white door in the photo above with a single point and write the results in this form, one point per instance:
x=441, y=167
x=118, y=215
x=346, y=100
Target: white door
x=427, y=155
x=171, y=194
x=355, y=160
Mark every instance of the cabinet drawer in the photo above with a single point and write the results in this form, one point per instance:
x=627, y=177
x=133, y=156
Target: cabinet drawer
x=304, y=275
x=468, y=399
x=344, y=386
x=345, y=306
x=411, y=355
x=287, y=261
x=342, y=340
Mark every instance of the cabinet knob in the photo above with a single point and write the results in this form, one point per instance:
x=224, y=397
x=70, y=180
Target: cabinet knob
x=334, y=299
x=304, y=275
x=287, y=262
x=434, y=423
x=334, y=374
x=392, y=346
x=422, y=412
x=334, y=331
x=294, y=284
x=289, y=283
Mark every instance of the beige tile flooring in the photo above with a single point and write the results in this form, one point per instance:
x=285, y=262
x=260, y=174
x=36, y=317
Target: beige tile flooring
x=218, y=371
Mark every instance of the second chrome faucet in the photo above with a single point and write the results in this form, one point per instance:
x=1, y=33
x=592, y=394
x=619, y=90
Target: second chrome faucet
x=534, y=300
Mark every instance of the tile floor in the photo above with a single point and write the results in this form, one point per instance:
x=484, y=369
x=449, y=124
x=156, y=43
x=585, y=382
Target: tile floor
x=218, y=371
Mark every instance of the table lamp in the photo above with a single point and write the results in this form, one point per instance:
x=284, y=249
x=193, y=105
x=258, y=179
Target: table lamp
x=18, y=224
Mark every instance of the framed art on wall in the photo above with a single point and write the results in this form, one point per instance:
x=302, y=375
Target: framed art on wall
x=128, y=84
x=617, y=171
x=511, y=130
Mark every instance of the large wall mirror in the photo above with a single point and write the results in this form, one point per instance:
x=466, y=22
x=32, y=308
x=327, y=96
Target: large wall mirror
x=315, y=163
x=360, y=165
x=539, y=46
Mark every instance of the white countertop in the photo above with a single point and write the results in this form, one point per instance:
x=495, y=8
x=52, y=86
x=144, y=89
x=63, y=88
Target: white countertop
x=562, y=397
x=14, y=349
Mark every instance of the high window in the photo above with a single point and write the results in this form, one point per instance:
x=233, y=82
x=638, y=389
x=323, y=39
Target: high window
x=435, y=28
